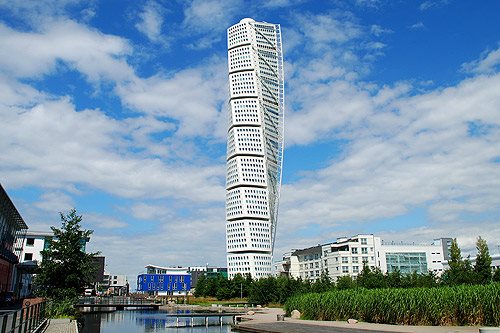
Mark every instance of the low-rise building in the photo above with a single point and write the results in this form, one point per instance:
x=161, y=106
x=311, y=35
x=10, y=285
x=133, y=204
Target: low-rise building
x=348, y=255
x=12, y=231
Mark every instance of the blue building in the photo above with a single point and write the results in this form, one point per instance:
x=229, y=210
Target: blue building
x=164, y=284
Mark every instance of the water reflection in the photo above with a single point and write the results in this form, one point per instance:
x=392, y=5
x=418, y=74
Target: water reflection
x=128, y=321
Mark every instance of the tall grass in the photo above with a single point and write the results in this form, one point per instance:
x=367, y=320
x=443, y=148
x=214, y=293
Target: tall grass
x=456, y=305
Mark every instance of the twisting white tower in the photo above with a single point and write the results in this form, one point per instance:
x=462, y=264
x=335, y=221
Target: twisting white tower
x=254, y=145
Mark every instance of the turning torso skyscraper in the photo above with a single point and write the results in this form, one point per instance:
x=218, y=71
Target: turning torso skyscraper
x=254, y=145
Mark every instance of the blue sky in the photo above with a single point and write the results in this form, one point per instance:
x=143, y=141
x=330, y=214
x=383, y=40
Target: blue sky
x=118, y=108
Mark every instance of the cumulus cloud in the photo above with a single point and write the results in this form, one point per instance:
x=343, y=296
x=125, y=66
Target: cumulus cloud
x=151, y=20
x=52, y=144
x=209, y=18
x=192, y=96
x=96, y=55
x=488, y=63
x=405, y=151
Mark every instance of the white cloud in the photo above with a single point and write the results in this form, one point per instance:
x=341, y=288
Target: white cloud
x=210, y=18
x=151, y=20
x=146, y=211
x=368, y=3
x=486, y=64
x=192, y=96
x=378, y=31
x=55, y=202
x=52, y=145
x=434, y=4
x=94, y=221
x=326, y=108
x=417, y=26
x=35, y=11
x=324, y=29
x=404, y=152
x=203, y=229
x=97, y=56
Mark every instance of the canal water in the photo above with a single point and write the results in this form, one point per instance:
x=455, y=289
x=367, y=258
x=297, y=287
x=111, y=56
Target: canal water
x=138, y=321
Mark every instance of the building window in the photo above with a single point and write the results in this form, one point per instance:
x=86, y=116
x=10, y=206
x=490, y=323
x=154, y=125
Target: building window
x=365, y=259
x=364, y=250
x=354, y=250
x=354, y=260
x=28, y=256
x=345, y=260
x=345, y=269
x=406, y=262
x=363, y=241
x=30, y=241
x=355, y=269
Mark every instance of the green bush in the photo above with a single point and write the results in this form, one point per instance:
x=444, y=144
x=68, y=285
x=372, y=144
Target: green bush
x=61, y=308
x=456, y=305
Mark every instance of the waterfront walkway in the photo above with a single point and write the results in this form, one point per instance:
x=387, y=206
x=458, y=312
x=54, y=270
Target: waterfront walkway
x=265, y=321
x=61, y=326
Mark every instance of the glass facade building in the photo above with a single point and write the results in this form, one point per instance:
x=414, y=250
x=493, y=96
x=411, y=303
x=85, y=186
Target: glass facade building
x=254, y=145
x=407, y=263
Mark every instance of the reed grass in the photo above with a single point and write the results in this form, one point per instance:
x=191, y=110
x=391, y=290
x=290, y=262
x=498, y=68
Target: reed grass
x=454, y=305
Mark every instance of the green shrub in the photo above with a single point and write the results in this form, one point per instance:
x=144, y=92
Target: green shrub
x=61, y=308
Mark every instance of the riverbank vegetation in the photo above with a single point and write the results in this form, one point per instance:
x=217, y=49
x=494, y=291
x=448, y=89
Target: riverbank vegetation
x=448, y=305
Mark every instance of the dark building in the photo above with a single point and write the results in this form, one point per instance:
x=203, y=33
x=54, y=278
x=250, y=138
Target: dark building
x=99, y=263
x=12, y=231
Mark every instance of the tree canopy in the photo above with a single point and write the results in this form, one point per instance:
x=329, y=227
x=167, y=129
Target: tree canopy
x=66, y=269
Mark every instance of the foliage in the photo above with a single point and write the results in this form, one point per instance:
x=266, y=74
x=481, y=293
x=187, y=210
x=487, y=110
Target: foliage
x=496, y=275
x=456, y=305
x=371, y=278
x=324, y=283
x=460, y=271
x=278, y=290
x=482, y=268
x=66, y=269
x=210, y=287
x=61, y=308
x=345, y=282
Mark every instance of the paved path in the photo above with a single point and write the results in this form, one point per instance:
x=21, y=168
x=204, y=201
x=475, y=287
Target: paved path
x=61, y=326
x=266, y=322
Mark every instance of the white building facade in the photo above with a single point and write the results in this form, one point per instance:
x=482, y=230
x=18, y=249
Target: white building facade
x=346, y=256
x=254, y=145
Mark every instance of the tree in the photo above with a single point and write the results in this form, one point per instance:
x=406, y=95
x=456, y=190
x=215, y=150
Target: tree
x=66, y=269
x=345, y=282
x=496, y=275
x=460, y=270
x=371, y=278
x=324, y=283
x=482, y=268
x=199, y=291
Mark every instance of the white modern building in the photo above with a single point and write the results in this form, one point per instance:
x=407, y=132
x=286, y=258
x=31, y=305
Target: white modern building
x=347, y=255
x=114, y=284
x=254, y=145
x=33, y=244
